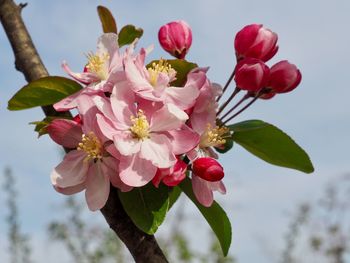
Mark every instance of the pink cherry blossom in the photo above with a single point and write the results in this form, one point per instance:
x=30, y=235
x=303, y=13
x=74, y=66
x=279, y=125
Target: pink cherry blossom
x=144, y=135
x=154, y=83
x=103, y=70
x=86, y=166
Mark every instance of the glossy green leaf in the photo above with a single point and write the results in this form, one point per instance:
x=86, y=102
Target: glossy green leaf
x=146, y=206
x=128, y=34
x=174, y=195
x=215, y=216
x=107, y=20
x=42, y=92
x=182, y=68
x=271, y=145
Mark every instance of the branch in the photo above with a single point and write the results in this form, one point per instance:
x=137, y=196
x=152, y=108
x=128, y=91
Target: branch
x=143, y=247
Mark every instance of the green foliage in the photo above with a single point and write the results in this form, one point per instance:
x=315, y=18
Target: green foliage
x=271, y=145
x=215, y=216
x=42, y=92
x=146, y=206
x=107, y=20
x=182, y=68
x=128, y=34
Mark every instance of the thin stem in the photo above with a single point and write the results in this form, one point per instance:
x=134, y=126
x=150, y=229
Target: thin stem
x=234, y=107
x=223, y=106
x=243, y=109
x=227, y=84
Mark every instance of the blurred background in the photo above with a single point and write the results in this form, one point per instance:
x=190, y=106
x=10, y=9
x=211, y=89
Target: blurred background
x=277, y=214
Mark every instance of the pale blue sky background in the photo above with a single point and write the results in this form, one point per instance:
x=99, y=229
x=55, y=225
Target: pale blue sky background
x=312, y=34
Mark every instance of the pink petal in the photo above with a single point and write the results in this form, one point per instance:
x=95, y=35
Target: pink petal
x=110, y=168
x=202, y=191
x=157, y=149
x=126, y=144
x=136, y=78
x=183, y=140
x=135, y=171
x=168, y=118
x=71, y=171
x=218, y=186
x=97, y=187
x=85, y=77
x=104, y=106
x=65, y=132
x=106, y=126
x=183, y=98
x=107, y=44
x=71, y=189
x=123, y=105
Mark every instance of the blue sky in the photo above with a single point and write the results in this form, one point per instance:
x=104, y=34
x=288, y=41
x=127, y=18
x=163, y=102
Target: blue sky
x=312, y=34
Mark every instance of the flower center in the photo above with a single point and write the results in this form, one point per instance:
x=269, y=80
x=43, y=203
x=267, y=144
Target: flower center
x=214, y=136
x=91, y=145
x=97, y=64
x=140, y=127
x=161, y=67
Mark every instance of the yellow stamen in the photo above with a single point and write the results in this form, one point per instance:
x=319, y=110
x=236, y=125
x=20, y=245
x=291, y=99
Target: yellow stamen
x=91, y=145
x=140, y=127
x=214, y=136
x=97, y=64
x=161, y=67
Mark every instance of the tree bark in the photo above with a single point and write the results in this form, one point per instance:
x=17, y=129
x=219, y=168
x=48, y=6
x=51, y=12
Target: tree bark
x=143, y=247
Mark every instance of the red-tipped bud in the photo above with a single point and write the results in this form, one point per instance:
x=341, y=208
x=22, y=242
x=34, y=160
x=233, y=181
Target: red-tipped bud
x=208, y=169
x=176, y=38
x=284, y=77
x=256, y=41
x=251, y=74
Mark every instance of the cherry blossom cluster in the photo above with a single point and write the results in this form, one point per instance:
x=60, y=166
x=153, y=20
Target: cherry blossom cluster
x=134, y=127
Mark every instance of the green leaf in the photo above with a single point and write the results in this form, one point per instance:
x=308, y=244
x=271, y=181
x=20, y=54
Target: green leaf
x=42, y=92
x=271, y=145
x=146, y=206
x=182, y=68
x=215, y=216
x=108, y=22
x=174, y=195
x=40, y=126
x=128, y=34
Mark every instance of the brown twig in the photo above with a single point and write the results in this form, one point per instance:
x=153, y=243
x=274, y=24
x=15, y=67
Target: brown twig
x=143, y=247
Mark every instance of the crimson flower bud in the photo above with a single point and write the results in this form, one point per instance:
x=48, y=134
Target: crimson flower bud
x=251, y=74
x=256, y=41
x=284, y=77
x=208, y=169
x=176, y=38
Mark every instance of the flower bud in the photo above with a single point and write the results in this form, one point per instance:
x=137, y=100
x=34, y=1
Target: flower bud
x=284, y=77
x=171, y=176
x=176, y=38
x=251, y=74
x=256, y=41
x=208, y=169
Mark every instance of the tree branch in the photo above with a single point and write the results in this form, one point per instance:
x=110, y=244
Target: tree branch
x=143, y=247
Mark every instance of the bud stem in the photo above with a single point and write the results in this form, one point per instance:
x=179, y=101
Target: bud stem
x=227, y=84
x=244, y=108
x=234, y=107
x=223, y=106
